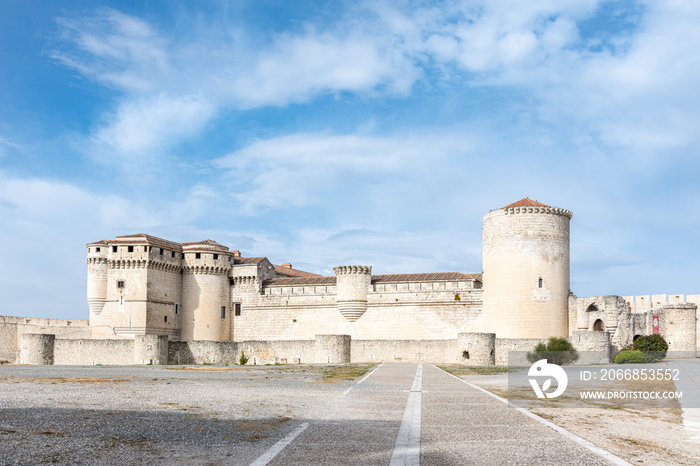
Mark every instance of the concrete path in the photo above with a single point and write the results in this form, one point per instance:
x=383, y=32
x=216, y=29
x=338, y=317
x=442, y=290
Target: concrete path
x=689, y=385
x=418, y=414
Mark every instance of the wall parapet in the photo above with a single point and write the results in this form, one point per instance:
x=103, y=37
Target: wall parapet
x=538, y=210
x=353, y=269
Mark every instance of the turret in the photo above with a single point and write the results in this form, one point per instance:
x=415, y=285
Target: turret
x=97, y=276
x=206, y=313
x=526, y=270
x=353, y=283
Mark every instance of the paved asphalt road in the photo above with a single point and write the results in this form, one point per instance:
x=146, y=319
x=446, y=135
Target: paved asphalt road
x=419, y=414
x=397, y=414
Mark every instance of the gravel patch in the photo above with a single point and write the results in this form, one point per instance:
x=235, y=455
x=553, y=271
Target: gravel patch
x=158, y=414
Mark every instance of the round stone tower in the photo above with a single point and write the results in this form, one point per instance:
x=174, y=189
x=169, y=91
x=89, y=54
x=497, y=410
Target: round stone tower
x=206, y=313
x=97, y=276
x=526, y=271
x=352, y=284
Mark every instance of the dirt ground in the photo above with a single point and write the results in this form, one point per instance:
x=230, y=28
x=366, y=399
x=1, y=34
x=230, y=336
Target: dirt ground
x=650, y=436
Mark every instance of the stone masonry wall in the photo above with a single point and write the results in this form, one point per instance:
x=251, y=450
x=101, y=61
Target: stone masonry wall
x=90, y=352
x=394, y=311
x=12, y=329
x=420, y=351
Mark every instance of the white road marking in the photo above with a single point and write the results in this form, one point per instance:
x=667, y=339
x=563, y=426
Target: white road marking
x=362, y=380
x=275, y=449
x=407, y=447
x=583, y=442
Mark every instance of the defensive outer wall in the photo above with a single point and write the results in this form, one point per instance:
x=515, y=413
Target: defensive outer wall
x=470, y=349
x=154, y=301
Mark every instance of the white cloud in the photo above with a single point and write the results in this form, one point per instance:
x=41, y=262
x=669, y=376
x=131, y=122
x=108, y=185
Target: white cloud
x=115, y=49
x=144, y=128
x=7, y=143
x=46, y=225
x=299, y=68
x=303, y=169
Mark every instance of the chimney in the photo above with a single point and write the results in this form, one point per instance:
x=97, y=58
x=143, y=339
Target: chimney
x=288, y=265
x=236, y=253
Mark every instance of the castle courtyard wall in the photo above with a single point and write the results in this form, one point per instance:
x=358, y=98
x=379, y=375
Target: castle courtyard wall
x=12, y=329
x=395, y=311
x=417, y=351
x=85, y=352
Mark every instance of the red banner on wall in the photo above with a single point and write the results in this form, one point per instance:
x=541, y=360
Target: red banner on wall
x=655, y=324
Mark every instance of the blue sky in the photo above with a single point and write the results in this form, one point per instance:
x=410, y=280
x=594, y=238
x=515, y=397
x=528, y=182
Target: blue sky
x=330, y=133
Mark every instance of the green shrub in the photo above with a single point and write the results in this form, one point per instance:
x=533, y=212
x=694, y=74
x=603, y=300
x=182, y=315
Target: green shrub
x=653, y=347
x=629, y=357
x=556, y=351
x=243, y=359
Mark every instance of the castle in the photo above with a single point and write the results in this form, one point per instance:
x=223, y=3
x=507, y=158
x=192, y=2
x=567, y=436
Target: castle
x=153, y=300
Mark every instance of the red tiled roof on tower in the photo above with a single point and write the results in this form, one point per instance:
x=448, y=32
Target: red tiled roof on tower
x=526, y=202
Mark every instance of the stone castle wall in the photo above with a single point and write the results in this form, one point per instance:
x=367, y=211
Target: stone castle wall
x=12, y=329
x=526, y=272
x=394, y=311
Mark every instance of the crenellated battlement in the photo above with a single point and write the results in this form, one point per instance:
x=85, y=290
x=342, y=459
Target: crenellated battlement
x=538, y=210
x=206, y=270
x=353, y=269
x=246, y=280
x=96, y=260
x=127, y=263
x=660, y=300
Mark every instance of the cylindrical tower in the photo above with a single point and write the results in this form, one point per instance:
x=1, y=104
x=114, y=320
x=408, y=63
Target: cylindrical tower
x=477, y=349
x=526, y=271
x=37, y=348
x=97, y=277
x=206, y=313
x=333, y=349
x=352, y=285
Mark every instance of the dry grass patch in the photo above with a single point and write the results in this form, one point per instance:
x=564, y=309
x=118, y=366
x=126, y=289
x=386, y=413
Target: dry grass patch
x=204, y=368
x=258, y=429
x=458, y=369
x=57, y=380
x=345, y=372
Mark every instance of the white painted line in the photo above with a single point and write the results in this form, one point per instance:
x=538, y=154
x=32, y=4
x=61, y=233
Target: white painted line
x=274, y=450
x=407, y=447
x=583, y=442
x=362, y=379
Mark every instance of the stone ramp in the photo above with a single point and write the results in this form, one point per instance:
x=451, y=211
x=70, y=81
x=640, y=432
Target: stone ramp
x=418, y=414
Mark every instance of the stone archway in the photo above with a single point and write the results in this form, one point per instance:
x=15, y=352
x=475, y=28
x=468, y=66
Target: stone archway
x=598, y=326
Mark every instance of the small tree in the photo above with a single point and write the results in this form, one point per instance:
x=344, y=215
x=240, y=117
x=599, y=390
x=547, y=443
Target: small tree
x=653, y=347
x=556, y=351
x=243, y=359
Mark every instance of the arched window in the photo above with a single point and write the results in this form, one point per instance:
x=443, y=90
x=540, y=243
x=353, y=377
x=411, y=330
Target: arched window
x=592, y=308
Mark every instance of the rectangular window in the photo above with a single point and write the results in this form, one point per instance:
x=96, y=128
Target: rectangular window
x=120, y=284
x=177, y=308
x=197, y=255
x=161, y=251
x=165, y=319
x=216, y=256
x=131, y=249
x=114, y=249
x=97, y=249
x=145, y=249
x=223, y=312
x=172, y=253
x=540, y=283
x=237, y=309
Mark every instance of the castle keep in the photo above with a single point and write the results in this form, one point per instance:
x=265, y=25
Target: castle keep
x=155, y=301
